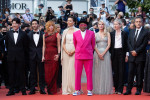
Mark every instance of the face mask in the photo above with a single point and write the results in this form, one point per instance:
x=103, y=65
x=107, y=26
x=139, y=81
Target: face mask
x=28, y=13
x=6, y=12
x=84, y=15
x=91, y=12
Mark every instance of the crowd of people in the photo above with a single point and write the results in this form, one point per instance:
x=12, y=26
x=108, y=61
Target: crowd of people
x=45, y=50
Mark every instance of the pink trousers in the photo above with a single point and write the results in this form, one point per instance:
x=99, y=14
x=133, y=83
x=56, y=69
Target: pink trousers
x=88, y=65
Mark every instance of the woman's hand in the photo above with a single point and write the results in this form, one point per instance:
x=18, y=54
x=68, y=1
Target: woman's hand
x=43, y=59
x=101, y=56
x=56, y=57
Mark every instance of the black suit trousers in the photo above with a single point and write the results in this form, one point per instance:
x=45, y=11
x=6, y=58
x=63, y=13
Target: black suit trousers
x=37, y=68
x=118, y=66
x=19, y=68
x=139, y=68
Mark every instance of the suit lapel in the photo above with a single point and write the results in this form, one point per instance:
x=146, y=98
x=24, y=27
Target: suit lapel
x=140, y=35
x=32, y=39
x=19, y=36
x=122, y=38
x=40, y=38
x=12, y=36
x=113, y=38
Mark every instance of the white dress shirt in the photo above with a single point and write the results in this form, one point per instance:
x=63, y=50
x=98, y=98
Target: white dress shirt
x=83, y=34
x=16, y=36
x=139, y=30
x=118, y=41
x=36, y=38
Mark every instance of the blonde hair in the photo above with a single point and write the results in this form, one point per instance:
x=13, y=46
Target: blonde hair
x=105, y=28
x=48, y=24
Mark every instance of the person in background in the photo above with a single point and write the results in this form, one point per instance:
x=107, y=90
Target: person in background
x=50, y=14
x=121, y=5
x=94, y=27
x=68, y=7
x=84, y=16
x=39, y=11
x=141, y=13
x=59, y=12
x=28, y=17
x=6, y=13
x=91, y=17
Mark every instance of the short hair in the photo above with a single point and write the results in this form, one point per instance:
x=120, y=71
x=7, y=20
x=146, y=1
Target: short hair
x=118, y=21
x=124, y=21
x=35, y=20
x=84, y=12
x=73, y=18
x=17, y=20
x=92, y=8
x=138, y=17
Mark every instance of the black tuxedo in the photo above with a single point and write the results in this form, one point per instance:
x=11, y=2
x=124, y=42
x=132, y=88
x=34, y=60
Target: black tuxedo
x=137, y=63
x=35, y=60
x=118, y=60
x=16, y=58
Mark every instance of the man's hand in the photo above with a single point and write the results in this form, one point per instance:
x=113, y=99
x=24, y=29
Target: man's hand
x=134, y=53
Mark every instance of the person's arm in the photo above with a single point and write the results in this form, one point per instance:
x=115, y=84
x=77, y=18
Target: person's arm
x=125, y=3
x=43, y=49
x=64, y=46
x=116, y=1
x=99, y=17
x=65, y=7
x=58, y=47
x=108, y=46
x=93, y=41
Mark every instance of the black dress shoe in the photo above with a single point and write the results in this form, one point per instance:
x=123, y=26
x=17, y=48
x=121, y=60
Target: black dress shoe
x=138, y=93
x=16, y=91
x=42, y=92
x=24, y=93
x=127, y=93
x=10, y=93
x=31, y=92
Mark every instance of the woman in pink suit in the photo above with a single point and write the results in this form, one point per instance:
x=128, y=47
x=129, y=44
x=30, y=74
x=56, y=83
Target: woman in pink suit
x=84, y=42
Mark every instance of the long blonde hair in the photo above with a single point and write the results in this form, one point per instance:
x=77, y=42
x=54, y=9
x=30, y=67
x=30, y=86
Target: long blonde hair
x=105, y=28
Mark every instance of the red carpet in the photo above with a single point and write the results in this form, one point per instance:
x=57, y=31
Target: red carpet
x=38, y=96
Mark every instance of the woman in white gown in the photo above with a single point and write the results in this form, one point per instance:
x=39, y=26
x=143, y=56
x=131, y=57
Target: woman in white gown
x=102, y=70
x=68, y=59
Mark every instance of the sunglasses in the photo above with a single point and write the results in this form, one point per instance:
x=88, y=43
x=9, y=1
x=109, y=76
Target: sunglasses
x=82, y=25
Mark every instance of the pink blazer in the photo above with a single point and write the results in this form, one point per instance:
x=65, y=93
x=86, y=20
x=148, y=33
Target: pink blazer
x=84, y=48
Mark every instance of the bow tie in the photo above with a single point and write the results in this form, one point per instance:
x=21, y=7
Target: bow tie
x=35, y=32
x=15, y=31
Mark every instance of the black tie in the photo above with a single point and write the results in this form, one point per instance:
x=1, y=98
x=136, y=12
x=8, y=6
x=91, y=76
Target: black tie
x=135, y=37
x=15, y=31
x=35, y=32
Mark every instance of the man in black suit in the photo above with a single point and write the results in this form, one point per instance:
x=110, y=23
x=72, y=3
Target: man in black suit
x=138, y=39
x=35, y=40
x=16, y=44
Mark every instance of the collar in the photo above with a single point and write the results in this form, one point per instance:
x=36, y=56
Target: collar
x=83, y=32
x=139, y=29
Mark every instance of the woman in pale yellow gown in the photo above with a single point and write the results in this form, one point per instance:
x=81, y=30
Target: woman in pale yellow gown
x=67, y=58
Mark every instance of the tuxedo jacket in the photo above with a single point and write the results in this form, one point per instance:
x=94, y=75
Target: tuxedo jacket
x=139, y=46
x=16, y=51
x=33, y=49
x=124, y=38
x=84, y=47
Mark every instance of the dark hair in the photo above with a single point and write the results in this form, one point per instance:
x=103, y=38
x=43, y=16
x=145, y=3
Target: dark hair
x=124, y=21
x=4, y=27
x=35, y=20
x=17, y=20
x=74, y=20
x=84, y=12
x=138, y=17
x=92, y=8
